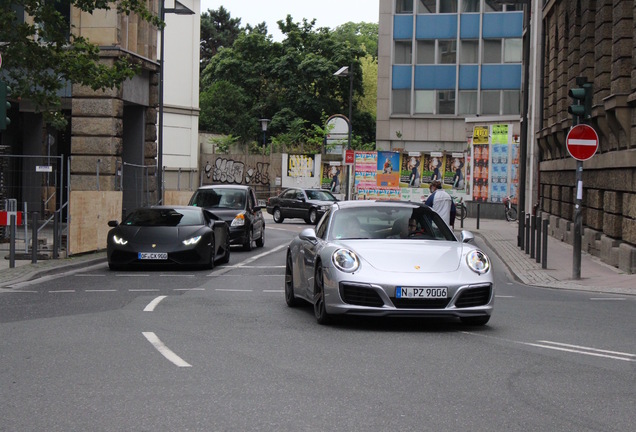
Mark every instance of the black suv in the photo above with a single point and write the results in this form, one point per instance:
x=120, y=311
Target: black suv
x=238, y=206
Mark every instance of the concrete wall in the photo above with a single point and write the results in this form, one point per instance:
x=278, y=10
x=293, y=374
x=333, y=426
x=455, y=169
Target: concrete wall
x=90, y=212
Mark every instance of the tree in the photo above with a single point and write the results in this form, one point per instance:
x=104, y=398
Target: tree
x=218, y=30
x=46, y=51
x=360, y=35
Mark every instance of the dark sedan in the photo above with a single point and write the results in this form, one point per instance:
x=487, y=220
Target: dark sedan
x=168, y=235
x=307, y=204
x=237, y=205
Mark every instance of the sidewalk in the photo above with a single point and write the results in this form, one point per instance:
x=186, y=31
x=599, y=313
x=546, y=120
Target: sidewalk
x=499, y=235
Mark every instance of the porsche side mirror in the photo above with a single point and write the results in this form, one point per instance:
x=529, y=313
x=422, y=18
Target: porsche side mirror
x=112, y=223
x=308, y=234
x=467, y=237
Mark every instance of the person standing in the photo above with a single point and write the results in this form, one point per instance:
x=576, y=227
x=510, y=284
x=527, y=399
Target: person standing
x=440, y=201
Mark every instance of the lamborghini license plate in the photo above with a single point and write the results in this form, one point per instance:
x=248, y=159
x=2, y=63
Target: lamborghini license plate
x=153, y=255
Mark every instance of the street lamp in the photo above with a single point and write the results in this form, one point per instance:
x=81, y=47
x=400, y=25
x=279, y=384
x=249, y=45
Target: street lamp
x=178, y=9
x=264, y=123
x=347, y=71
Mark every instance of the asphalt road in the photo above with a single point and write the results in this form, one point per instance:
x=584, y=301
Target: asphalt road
x=200, y=350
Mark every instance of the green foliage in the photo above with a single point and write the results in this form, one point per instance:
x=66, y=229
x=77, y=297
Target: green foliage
x=218, y=30
x=46, y=52
x=223, y=143
x=291, y=82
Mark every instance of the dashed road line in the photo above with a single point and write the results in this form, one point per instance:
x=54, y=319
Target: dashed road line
x=164, y=350
x=150, y=307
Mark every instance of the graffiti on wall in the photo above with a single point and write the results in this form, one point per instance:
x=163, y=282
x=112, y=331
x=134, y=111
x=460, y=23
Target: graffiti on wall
x=227, y=170
x=300, y=165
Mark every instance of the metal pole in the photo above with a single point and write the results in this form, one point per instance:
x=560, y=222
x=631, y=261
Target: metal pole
x=522, y=220
x=34, y=238
x=538, y=254
x=544, y=254
x=12, y=222
x=162, y=7
x=533, y=234
x=56, y=244
x=576, y=259
x=527, y=244
x=523, y=142
x=478, y=209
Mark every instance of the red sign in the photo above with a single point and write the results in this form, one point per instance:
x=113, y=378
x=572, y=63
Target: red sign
x=5, y=218
x=582, y=142
x=349, y=157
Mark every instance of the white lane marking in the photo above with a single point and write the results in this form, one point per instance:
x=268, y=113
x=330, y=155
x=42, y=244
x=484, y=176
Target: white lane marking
x=254, y=258
x=53, y=277
x=233, y=290
x=143, y=290
x=177, y=275
x=255, y=267
x=151, y=306
x=164, y=350
x=101, y=290
x=18, y=292
x=608, y=298
x=566, y=347
x=503, y=296
x=189, y=289
x=131, y=275
x=62, y=291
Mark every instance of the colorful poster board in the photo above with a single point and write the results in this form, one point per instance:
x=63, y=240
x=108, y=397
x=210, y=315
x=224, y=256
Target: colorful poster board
x=332, y=176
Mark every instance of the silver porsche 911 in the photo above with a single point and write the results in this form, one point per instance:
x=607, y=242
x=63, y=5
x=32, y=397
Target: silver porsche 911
x=388, y=258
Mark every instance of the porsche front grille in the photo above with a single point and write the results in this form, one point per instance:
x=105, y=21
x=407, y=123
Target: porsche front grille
x=360, y=296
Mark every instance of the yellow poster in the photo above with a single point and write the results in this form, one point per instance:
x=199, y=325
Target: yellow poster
x=480, y=135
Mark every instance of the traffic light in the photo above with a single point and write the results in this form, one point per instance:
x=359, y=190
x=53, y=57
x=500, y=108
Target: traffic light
x=5, y=105
x=581, y=109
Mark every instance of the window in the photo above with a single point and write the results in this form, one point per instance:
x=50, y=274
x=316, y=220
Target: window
x=512, y=50
x=469, y=52
x=402, y=101
x=493, y=6
x=448, y=6
x=511, y=102
x=470, y=5
x=425, y=101
x=490, y=102
x=403, y=52
x=426, y=52
x=492, y=51
x=446, y=102
x=447, y=53
x=467, y=102
x=426, y=6
x=404, y=7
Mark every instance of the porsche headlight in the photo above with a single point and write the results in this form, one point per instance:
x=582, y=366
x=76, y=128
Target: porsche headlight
x=345, y=260
x=239, y=220
x=119, y=240
x=478, y=261
x=192, y=241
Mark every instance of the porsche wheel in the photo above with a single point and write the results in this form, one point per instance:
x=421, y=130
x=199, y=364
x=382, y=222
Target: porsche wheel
x=475, y=321
x=247, y=246
x=290, y=299
x=313, y=217
x=320, y=310
x=278, y=217
x=210, y=264
x=260, y=242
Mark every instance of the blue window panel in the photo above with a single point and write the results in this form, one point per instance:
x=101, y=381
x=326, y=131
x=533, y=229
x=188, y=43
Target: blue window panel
x=401, y=77
x=438, y=77
x=469, y=28
x=403, y=27
x=501, y=77
x=503, y=25
x=468, y=77
x=434, y=26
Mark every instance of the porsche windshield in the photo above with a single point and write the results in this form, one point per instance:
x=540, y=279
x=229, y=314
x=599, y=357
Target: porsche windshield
x=149, y=217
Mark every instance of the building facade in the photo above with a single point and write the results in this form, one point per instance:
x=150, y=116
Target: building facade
x=595, y=40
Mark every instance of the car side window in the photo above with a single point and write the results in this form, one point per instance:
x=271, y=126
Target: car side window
x=290, y=194
x=251, y=199
x=321, y=229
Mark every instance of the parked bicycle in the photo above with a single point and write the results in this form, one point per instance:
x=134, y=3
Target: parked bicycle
x=510, y=209
x=461, y=209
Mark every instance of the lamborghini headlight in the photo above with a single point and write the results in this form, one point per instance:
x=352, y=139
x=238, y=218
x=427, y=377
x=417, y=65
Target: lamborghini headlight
x=345, y=260
x=119, y=240
x=192, y=241
x=478, y=261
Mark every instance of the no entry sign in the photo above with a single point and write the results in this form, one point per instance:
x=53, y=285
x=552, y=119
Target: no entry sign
x=582, y=142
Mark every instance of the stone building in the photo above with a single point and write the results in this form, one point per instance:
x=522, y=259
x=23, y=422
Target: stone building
x=596, y=40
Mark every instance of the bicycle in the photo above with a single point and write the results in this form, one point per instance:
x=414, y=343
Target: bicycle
x=509, y=209
x=461, y=209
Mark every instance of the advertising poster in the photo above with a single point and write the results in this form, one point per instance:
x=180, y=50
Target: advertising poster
x=332, y=176
x=499, y=172
x=454, y=171
x=388, y=169
x=366, y=164
x=481, y=163
x=300, y=165
x=411, y=170
x=433, y=167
